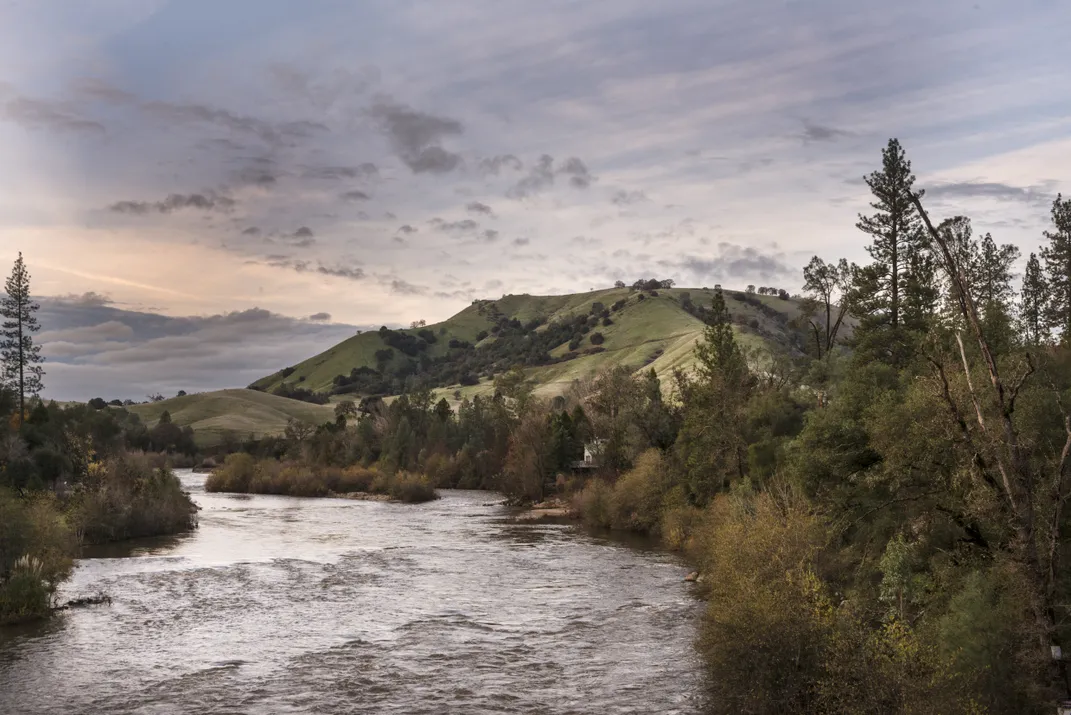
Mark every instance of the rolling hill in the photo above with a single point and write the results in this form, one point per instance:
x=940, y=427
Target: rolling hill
x=548, y=335
x=240, y=412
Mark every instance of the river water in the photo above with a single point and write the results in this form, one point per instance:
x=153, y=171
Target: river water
x=287, y=605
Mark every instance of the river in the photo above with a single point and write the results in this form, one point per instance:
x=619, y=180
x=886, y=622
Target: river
x=288, y=605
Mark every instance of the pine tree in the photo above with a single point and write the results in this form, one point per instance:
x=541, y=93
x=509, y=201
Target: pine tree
x=718, y=353
x=1057, y=257
x=21, y=359
x=994, y=291
x=1033, y=303
x=896, y=232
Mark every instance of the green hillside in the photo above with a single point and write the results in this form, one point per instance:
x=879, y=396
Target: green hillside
x=239, y=412
x=646, y=328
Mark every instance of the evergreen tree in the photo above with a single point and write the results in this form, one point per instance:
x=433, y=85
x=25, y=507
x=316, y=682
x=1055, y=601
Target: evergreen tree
x=895, y=228
x=995, y=292
x=718, y=353
x=20, y=357
x=1057, y=257
x=1033, y=303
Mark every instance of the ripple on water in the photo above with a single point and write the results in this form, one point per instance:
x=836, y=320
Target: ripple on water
x=297, y=605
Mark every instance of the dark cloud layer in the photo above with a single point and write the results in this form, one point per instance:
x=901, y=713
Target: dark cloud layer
x=97, y=350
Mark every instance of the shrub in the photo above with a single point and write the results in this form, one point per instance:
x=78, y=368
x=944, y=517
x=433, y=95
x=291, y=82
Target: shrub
x=636, y=502
x=607, y=322
x=593, y=503
x=411, y=488
x=597, y=339
x=127, y=497
x=36, y=549
x=235, y=475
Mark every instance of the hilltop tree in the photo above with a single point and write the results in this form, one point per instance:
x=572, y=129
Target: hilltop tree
x=1057, y=256
x=826, y=283
x=20, y=357
x=895, y=229
x=1033, y=302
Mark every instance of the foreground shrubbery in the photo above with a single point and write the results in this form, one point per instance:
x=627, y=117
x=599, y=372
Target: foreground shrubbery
x=36, y=550
x=121, y=498
x=244, y=474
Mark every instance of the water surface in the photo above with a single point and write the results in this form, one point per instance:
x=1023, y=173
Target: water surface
x=287, y=605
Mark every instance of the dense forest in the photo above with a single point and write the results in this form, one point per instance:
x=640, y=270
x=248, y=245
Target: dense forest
x=879, y=522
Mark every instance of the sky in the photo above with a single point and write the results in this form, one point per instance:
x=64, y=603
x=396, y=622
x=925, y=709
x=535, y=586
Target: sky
x=207, y=191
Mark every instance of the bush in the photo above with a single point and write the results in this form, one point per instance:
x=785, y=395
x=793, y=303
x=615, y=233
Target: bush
x=593, y=504
x=410, y=488
x=127, y=497
x=36, y=550
x=243, y=474
x=636, y=502
x=236, y=474
x=597, y=339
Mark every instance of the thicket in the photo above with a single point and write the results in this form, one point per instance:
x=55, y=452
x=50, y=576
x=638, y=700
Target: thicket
x=243, y=473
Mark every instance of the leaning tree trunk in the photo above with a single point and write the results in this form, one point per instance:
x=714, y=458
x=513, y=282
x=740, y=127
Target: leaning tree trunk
x=1010, y=472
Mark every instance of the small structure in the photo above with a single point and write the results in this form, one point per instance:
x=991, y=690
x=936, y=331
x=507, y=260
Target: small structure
x=592, y=454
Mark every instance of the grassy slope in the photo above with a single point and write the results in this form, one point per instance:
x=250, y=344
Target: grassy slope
x=241, y=411
x=639, y=330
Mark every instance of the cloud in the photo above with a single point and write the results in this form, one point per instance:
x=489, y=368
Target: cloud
x=464, y=225
x=362, y=171
x=732, y=261
x=303, y=232
x=111, y=330
x=300, y=266
x=541, y=177
x=990, y=190
x=577, y=171
x=496, y=164
x=99, y=351
x=45, y=114
x=818, y=133
x=89, y=298
x=489, y=236
x=251, y=231
x=209, y=201
x=200, y=113
x=405, y=288
x=477, y=207
x=521, y=241
x=407, y=229
x=625, y=198
x=356, y=195
x=416, y=137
